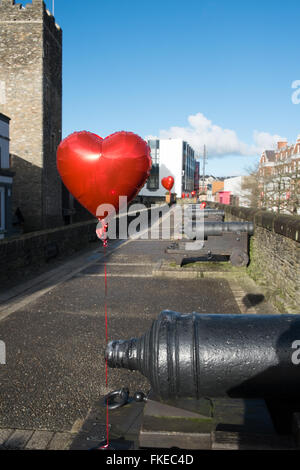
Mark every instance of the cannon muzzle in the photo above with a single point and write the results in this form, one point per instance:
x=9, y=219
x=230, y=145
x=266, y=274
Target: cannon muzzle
x=199, y=355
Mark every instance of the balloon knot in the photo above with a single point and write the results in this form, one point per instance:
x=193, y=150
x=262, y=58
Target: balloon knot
x=101, y=232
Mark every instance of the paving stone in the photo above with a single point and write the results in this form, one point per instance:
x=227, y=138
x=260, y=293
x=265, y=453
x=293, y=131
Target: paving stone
x=4, y=435
x=60, y=441
x=39, y=440
x=18, y=439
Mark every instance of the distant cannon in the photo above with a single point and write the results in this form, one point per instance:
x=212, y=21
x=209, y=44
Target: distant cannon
x=210, y=228
x=196, y=207
x=219, y=238
x=201, y=355
x=208, y=214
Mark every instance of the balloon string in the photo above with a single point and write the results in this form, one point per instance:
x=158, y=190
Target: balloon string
x=106, y=337
x=102, y=234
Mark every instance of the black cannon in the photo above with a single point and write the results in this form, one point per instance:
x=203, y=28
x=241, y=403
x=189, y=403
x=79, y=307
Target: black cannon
x=198, y=207
x=210, y=228
x=195, y=208
x=219, y=238
x=207, y=214
x=201, y=355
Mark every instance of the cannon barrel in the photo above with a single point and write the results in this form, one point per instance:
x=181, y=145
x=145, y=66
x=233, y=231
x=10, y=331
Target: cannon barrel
x=218, y=228
x=206, y=211
x=215, y=355
x=195, y=213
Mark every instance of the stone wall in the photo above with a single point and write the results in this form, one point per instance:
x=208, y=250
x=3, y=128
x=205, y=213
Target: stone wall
x=27, y=253
x=274, y=254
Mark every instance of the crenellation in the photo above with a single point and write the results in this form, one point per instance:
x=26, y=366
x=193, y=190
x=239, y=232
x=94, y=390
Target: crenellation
x=55, y=29
x=11, y=11
x=51, y=16
x=7, y=3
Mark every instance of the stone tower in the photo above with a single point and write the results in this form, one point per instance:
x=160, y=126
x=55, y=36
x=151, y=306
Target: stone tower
x=31, y=95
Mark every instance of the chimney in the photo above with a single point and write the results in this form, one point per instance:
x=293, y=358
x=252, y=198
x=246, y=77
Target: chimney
x=281, y=144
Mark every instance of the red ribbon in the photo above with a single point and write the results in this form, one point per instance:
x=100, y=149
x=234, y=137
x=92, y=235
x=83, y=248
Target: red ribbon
x=102, y=235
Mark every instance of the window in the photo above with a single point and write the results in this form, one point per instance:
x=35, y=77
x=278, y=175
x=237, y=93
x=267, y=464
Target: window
x=153, y=180
x=154, y=147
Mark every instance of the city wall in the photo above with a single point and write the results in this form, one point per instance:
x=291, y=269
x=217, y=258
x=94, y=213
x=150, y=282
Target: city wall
x=26, y=254
x=274, y=254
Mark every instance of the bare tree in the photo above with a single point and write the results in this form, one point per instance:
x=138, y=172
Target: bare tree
x=251, y=186
x=280, y=190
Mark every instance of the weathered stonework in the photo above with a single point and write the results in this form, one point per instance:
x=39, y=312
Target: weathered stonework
x=274, y=254
x=31, y=84
x=27, y=254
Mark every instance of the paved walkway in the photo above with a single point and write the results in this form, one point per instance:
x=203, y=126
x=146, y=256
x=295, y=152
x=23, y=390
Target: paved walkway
x=54, y=331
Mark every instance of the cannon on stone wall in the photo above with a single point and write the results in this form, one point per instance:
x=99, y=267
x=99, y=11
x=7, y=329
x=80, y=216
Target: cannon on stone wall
x=219, y=238
x=209, y=214
x=217, y=381
x=199, y=355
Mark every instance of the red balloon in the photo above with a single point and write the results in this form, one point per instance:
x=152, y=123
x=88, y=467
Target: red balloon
x=97, y=171
x=193, y=193
x=183, y=195
x=202, y=205
x=168, y=182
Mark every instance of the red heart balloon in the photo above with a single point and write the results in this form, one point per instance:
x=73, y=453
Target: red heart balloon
x=168, y=182
x=97, y=171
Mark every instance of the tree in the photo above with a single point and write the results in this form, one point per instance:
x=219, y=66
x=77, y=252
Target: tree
x=280, y=189
x=251, y=186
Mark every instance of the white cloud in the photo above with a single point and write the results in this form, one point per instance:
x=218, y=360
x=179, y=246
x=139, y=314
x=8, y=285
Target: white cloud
x=266, y=141
x=219, y=142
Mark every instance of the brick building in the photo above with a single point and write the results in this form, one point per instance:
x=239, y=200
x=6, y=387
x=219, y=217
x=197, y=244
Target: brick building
x=279, y=177
x=31, y=95
x=286, y=157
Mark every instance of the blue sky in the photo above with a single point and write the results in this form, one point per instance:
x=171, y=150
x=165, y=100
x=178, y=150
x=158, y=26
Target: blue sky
x=218, y=72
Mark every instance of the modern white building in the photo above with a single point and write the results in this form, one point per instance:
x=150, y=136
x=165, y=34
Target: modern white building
x=6, y=179
x=235, y=186
x=170, y=157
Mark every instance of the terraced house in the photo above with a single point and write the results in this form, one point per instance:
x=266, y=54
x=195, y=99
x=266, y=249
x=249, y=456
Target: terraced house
x=279, y=178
